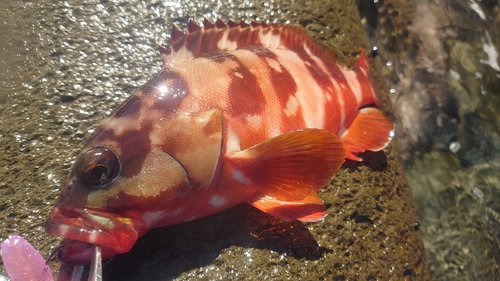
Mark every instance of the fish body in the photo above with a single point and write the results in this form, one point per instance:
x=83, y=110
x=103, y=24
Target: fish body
x=250, y=113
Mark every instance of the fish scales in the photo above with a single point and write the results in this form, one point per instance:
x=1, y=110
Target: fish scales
x=240, y=112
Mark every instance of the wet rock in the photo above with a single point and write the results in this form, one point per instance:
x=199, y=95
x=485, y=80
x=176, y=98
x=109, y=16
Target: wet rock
x=460, y=216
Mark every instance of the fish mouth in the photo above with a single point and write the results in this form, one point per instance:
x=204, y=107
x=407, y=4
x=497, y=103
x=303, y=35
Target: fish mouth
x=72, y=252
x=83, y=227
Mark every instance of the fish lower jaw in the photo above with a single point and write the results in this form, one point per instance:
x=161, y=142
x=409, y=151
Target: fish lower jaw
x=82, y=228
x=75, y=253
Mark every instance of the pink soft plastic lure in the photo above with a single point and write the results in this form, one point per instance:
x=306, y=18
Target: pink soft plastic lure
x=22, y=261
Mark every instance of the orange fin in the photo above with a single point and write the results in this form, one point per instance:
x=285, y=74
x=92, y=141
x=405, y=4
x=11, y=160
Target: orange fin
x=309, y=209
x=291, y=166
x=371, y=130
x=220, y=37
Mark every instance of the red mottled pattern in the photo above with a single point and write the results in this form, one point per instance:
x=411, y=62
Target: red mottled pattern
x=241, y=112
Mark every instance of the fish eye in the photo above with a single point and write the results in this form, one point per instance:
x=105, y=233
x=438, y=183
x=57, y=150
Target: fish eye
x=97, y=167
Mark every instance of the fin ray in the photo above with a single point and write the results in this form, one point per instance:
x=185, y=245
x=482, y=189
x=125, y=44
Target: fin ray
x=291, y=166
x=309, y=209
x=199, y=41
x=371, y=130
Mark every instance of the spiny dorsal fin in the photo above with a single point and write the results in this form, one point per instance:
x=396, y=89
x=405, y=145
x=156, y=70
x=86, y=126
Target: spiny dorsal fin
x=212, y=38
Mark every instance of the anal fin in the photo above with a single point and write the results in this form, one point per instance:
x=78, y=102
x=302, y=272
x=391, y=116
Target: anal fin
x=371, y=130
x=309, y=209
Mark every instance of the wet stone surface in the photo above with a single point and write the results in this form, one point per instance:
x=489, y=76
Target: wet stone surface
x=67, y=65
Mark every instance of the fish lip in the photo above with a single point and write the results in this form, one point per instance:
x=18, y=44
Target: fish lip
x=112, y=232
x=72, y=252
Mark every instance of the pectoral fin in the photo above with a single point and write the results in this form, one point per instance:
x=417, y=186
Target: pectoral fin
x=371, y=130
x=292, y=166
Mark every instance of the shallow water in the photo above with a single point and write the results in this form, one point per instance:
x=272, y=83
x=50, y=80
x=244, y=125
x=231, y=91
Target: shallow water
x=441, y=61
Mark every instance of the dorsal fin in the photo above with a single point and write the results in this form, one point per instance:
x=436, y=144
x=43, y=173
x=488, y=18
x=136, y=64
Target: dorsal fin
x=212, y=38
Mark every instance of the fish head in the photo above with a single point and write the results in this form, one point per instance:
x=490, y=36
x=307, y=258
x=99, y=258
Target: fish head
x=137, y=171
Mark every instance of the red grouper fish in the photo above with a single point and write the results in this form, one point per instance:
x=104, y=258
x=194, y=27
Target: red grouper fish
x=242, y=112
